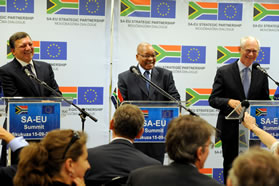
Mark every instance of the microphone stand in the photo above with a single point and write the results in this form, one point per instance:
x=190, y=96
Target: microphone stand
x=82, y=113
x=166, y=94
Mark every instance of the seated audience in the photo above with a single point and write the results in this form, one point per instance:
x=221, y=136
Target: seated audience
x=255, y=167
x=266, y=138
x=16, y=144
x=59, y=159
x=119, y=157
x=188, y=141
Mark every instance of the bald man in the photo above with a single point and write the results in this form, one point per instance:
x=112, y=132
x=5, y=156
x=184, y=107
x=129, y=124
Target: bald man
x=133, y=87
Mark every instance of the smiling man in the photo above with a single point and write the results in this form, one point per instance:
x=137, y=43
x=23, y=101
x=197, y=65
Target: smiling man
x=16, y=83
x=133, y=87
x=234, y=83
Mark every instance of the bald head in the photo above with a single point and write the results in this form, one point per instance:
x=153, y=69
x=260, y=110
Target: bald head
x=146, y=56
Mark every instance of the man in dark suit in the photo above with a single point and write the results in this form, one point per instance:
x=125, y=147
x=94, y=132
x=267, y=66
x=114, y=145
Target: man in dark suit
x=187, y=143
x=133, y=87
x=119, y=157
x=14, y=80
x=234, y=83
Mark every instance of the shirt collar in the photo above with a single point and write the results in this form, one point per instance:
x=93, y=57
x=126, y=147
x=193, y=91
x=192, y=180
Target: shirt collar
x=241, y=66
x=142, y=70
x=116, y=138
x=23, y=64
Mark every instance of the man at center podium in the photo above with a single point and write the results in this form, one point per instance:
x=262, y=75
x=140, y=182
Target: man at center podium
x=15, y=82
x=132, y=87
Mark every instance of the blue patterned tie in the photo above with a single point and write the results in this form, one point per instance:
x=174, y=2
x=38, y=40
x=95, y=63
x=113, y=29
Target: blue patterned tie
x=146, y=74
x=37, y=86
x=245, y=80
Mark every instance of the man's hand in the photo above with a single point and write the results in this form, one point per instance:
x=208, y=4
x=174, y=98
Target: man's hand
x=234, y=103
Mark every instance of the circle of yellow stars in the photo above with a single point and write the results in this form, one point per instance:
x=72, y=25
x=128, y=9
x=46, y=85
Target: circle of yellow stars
x=193, y=50
x=163, y=4
x=92, y=1
x=229, y=7
x=20, y=9
x=92, y=91
x=262, y=57
x=58, y=53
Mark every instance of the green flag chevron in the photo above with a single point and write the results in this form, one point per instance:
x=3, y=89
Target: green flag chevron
x=55, y=5
x=161, y=53
x=2, y=2
x=195, y=10
x=224, y=54
x=127, y=7
x=260, y=12
x=192, y=97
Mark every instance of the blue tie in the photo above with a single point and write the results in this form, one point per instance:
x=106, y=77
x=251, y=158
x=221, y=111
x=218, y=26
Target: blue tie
x=245, y=80
x=146, y=74
x=37, y=86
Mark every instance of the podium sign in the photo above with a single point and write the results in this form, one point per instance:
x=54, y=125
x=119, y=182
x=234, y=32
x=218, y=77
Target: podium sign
x=33, y=120
x=156, y=123
x=266, y=119
x=157, y=115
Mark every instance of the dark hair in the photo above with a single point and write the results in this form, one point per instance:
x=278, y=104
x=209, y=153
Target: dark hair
x=185, y=135
x=17, y=36
x=128, y=121
x=39, y=162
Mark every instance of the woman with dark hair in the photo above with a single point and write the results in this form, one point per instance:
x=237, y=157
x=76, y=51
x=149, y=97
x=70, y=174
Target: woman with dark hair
x=59, y=159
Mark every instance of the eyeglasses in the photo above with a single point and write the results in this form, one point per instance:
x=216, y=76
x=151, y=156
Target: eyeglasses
x=210, y=145
x=248, y=51
x=73, y=140
x=147, y=56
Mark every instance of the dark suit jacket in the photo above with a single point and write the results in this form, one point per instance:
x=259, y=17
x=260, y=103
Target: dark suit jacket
x=227, y=85
x=133, y=87
x=7, y=173
x=16, y=83
x=175, y=174
x=115, y=159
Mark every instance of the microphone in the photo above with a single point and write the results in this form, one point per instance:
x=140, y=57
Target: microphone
x=134, y=70
x=257, y=66
x=245, y=105
x=27, y=72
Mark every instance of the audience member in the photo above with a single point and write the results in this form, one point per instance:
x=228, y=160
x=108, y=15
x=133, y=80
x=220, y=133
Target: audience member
x=255, y=167
x=120, y=156
x=188, y=141
x=59, y=159
x=266, y=138
x=16, y=144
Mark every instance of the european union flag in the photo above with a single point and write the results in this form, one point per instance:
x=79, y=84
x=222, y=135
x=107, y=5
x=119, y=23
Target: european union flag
x=90, y=95
x=230, y=11
x=218, y=175
x=20, y=6
x=92, y=7
x=167, y=113
x=48, y=109
x=163, y=8
x=264, y=55
x=53, y=50
x=193, y=54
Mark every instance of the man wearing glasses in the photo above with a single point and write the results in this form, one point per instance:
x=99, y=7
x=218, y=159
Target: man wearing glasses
x=234, y=83
x=132, y=87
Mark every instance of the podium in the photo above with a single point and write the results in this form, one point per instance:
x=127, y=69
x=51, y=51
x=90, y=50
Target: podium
x=266, y=113
x=32, y=118
x=157, y=115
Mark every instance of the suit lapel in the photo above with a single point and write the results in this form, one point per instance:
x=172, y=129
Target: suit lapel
x=39, y=74
x=141, y=84
x=155, y=79
x=237, y=78
x=21, y=73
